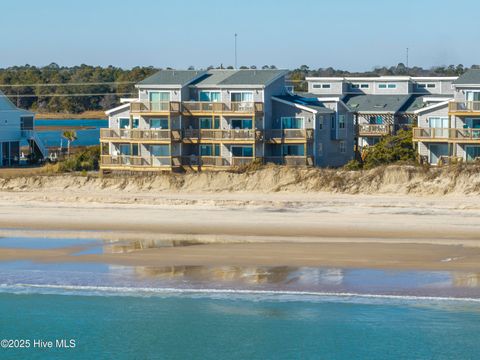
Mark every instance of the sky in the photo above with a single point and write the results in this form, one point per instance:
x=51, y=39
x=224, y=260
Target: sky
x=354, y=35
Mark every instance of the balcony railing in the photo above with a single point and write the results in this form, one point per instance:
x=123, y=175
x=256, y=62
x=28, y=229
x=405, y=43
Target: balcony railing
x=239, y=134
x=155, y=107
x=373, y=129
x=141, y=161
x=447, y=134
x=300, y=134
x=136, y=134
x=464, y=106
x=205, y=107
x=219, y=161
x=290, y=160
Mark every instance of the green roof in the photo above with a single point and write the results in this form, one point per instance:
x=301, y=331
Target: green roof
x=376, y=103
x=470, y=77
x=172, y=77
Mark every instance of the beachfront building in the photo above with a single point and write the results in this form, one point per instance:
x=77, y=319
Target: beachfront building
x=221, y=119
x=451, y=129
x=382, y=105
x=16, y=128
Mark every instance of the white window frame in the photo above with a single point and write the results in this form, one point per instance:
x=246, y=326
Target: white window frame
x=242, y=92
x=342, y=147
x=292, y=117
x=385, y=86
x=209, y=92
x=342, y=121
x=320, y=122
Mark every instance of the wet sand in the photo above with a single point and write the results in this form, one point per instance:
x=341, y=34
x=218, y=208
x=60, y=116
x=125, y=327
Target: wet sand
x=279, y=229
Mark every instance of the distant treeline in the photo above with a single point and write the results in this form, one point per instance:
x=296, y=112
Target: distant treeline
x=40, y=99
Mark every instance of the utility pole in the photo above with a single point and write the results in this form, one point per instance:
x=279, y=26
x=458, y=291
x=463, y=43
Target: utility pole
x=236, y=67
x=407, y=58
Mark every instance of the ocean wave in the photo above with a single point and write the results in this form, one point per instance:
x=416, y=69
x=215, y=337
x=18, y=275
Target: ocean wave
x=245, y=294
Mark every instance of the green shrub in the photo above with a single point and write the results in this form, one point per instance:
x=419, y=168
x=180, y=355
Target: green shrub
x=391, y=149
x=353, y=165
x=85, y=160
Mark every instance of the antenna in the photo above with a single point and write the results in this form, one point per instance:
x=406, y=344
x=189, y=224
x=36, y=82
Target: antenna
x=407, y=58
x=236, y=67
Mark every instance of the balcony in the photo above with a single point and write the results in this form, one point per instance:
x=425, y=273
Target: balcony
x=218, y=161
x=464, y=107
x=290, y=160
x=128, y=161
x=149, y=107
x=230, y=135
x=140, y=134
x=219, y=108
x=447, y=134
x=374, y=129
x=289, y=135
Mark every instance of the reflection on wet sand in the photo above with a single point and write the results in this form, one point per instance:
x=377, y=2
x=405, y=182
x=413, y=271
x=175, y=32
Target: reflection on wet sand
x=121, y=247
x=467, y=280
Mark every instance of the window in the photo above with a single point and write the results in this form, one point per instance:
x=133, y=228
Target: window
x=341, y=121
x=135, y=123
x=425, y=85
x=124, y=149
x=320, y=122
x=124, y=123
x=161, y=123
x=364, y=86
x=355, y=86
x=292, y=122
x=293, y=150
x=289, y=89
x=159, y=150
x=241, y=124
x=431, y=86
x=387, y=86
x=206, y=150
x=333, y=123
x=242, y=151
x=376, y=120
x=135, y=149
x=159, y=100
x=210, y=96
x=438, y=122
x=205, y=123
x=321, y=86
x=341, y=147
x=243, y=96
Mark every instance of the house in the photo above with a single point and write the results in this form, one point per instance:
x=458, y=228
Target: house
x=450, y=129
x=220, y=119
x=385, y=104
x=17, y=127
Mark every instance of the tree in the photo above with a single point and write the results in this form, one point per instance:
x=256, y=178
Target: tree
x=71, y=136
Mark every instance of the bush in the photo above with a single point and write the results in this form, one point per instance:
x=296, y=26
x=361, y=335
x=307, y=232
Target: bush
x=85, y=160
x=391, y=149
x=353, y=165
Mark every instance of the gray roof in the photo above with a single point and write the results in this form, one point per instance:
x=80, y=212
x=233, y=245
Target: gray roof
x=470, y=77
x=5, y=103
x=376, y=103
x=312, y=103
x=252, y=77
x=416, y=102
x=172, y=77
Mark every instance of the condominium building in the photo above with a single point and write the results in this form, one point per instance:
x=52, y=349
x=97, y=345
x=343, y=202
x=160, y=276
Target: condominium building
x=16, y=128
x=451, y=129
x=220, y=119
x=382, y=105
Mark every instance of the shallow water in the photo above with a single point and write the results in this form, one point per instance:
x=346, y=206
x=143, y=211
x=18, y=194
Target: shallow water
x=232, y=312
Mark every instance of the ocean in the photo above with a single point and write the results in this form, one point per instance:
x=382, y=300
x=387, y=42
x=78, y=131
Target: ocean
x=109, y=311
x=87, y=137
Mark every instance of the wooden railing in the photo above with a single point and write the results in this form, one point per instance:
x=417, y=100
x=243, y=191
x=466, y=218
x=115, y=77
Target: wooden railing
x=239, y=134
x=290, y=160
x=446, y=133
x=219, y=161
x=129, y=160
x=206, y=107
x=373, y=129
x=136, y=134
x=464, y=106
x=300, y=134
x=155, y=106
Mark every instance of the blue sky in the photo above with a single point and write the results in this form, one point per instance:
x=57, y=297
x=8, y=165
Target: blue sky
x=344, y=34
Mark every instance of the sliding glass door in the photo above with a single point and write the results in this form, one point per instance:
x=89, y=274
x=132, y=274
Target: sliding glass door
x=159, y=100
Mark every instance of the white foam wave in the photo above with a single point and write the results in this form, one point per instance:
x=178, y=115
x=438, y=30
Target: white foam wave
x=266, y=294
